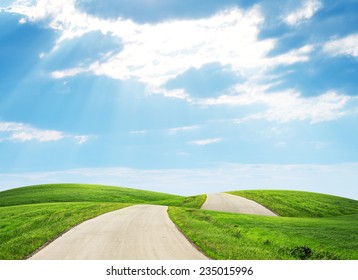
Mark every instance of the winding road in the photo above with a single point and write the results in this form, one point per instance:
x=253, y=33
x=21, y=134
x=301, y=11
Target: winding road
x=140, y=232
x=236, y=204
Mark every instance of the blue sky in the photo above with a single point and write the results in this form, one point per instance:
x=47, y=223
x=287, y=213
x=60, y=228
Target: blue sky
x=180, y=96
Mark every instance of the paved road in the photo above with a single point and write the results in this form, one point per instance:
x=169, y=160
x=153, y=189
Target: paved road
x=141, y=232
x=233, y=203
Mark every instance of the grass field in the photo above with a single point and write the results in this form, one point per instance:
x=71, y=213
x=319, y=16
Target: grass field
x=234, y=236
x=31, y=216
x=301, y=204
x=316, y=226
x=93, y=193
x=24, y=228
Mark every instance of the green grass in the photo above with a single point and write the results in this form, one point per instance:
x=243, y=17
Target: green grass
x=92, y=193
x=31, y=216
x=24, y=228
x=301, y=204
x=235, y=236
x=188, y=202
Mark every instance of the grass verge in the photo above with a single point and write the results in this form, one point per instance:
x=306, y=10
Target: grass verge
x=25, y=228
x=227, y=236
x=301, y=204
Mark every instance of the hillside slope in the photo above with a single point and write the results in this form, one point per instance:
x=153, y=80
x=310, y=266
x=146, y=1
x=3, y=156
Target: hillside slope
x=301, y=204
x=93, y=193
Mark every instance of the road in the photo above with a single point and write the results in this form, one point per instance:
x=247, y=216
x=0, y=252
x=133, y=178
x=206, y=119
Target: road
x=232, y=203
x=140, y=232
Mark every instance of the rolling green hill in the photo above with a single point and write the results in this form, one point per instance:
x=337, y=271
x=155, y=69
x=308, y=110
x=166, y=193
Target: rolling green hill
x=32, y=216
x=301, y=204
x=310, y=226
x=229, y=236
x=25, y=228
x=93, y=193
x=316, y=226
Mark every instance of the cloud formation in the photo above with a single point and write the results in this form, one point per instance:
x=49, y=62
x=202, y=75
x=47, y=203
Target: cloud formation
x=12, y=131
x=204, y=142
x=305, y=12
x=176, y=130
x=287, y=105
x=154, y=54
x=343, y=46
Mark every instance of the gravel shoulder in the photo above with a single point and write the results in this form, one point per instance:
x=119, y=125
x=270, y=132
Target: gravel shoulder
x=140, y=232
x=236, y=204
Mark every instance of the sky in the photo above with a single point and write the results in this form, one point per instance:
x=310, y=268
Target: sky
x=184, y=97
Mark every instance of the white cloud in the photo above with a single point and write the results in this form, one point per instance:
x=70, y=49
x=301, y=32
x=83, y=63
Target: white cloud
x=343, y=46
x=175, y=130
x=204, y=142
x=293, y=56
x=69, y=72
x=38, y=135
x=305, y=12
x=290, y=107
x=286, y=106
x=11, y=131
x=22, y=21
x=81, y=139
x=22, y=132
x=156, y=53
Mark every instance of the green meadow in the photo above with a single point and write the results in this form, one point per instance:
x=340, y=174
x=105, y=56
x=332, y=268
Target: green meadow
x=25, y=228
x=301, y=204
x=32, y=216
x=227, y=236
x=310, y=225
x=93, y=193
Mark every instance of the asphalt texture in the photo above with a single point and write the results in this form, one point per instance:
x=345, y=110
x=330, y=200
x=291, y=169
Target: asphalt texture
x=140, y=232
x=232, y=203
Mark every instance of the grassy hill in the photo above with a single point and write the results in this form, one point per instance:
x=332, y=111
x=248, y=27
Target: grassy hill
x=229, y=236
x=25, y=228
x=301, y=204
x=310, y=226
x=93, y=193
x=316, y=226
x=34, y=215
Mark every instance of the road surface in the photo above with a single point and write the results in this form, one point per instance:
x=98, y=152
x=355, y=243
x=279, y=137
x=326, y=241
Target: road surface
x=140, y=232
x=232, y=203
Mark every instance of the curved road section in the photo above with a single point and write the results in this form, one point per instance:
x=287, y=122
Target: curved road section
x=140, y=232
x=233, y=203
